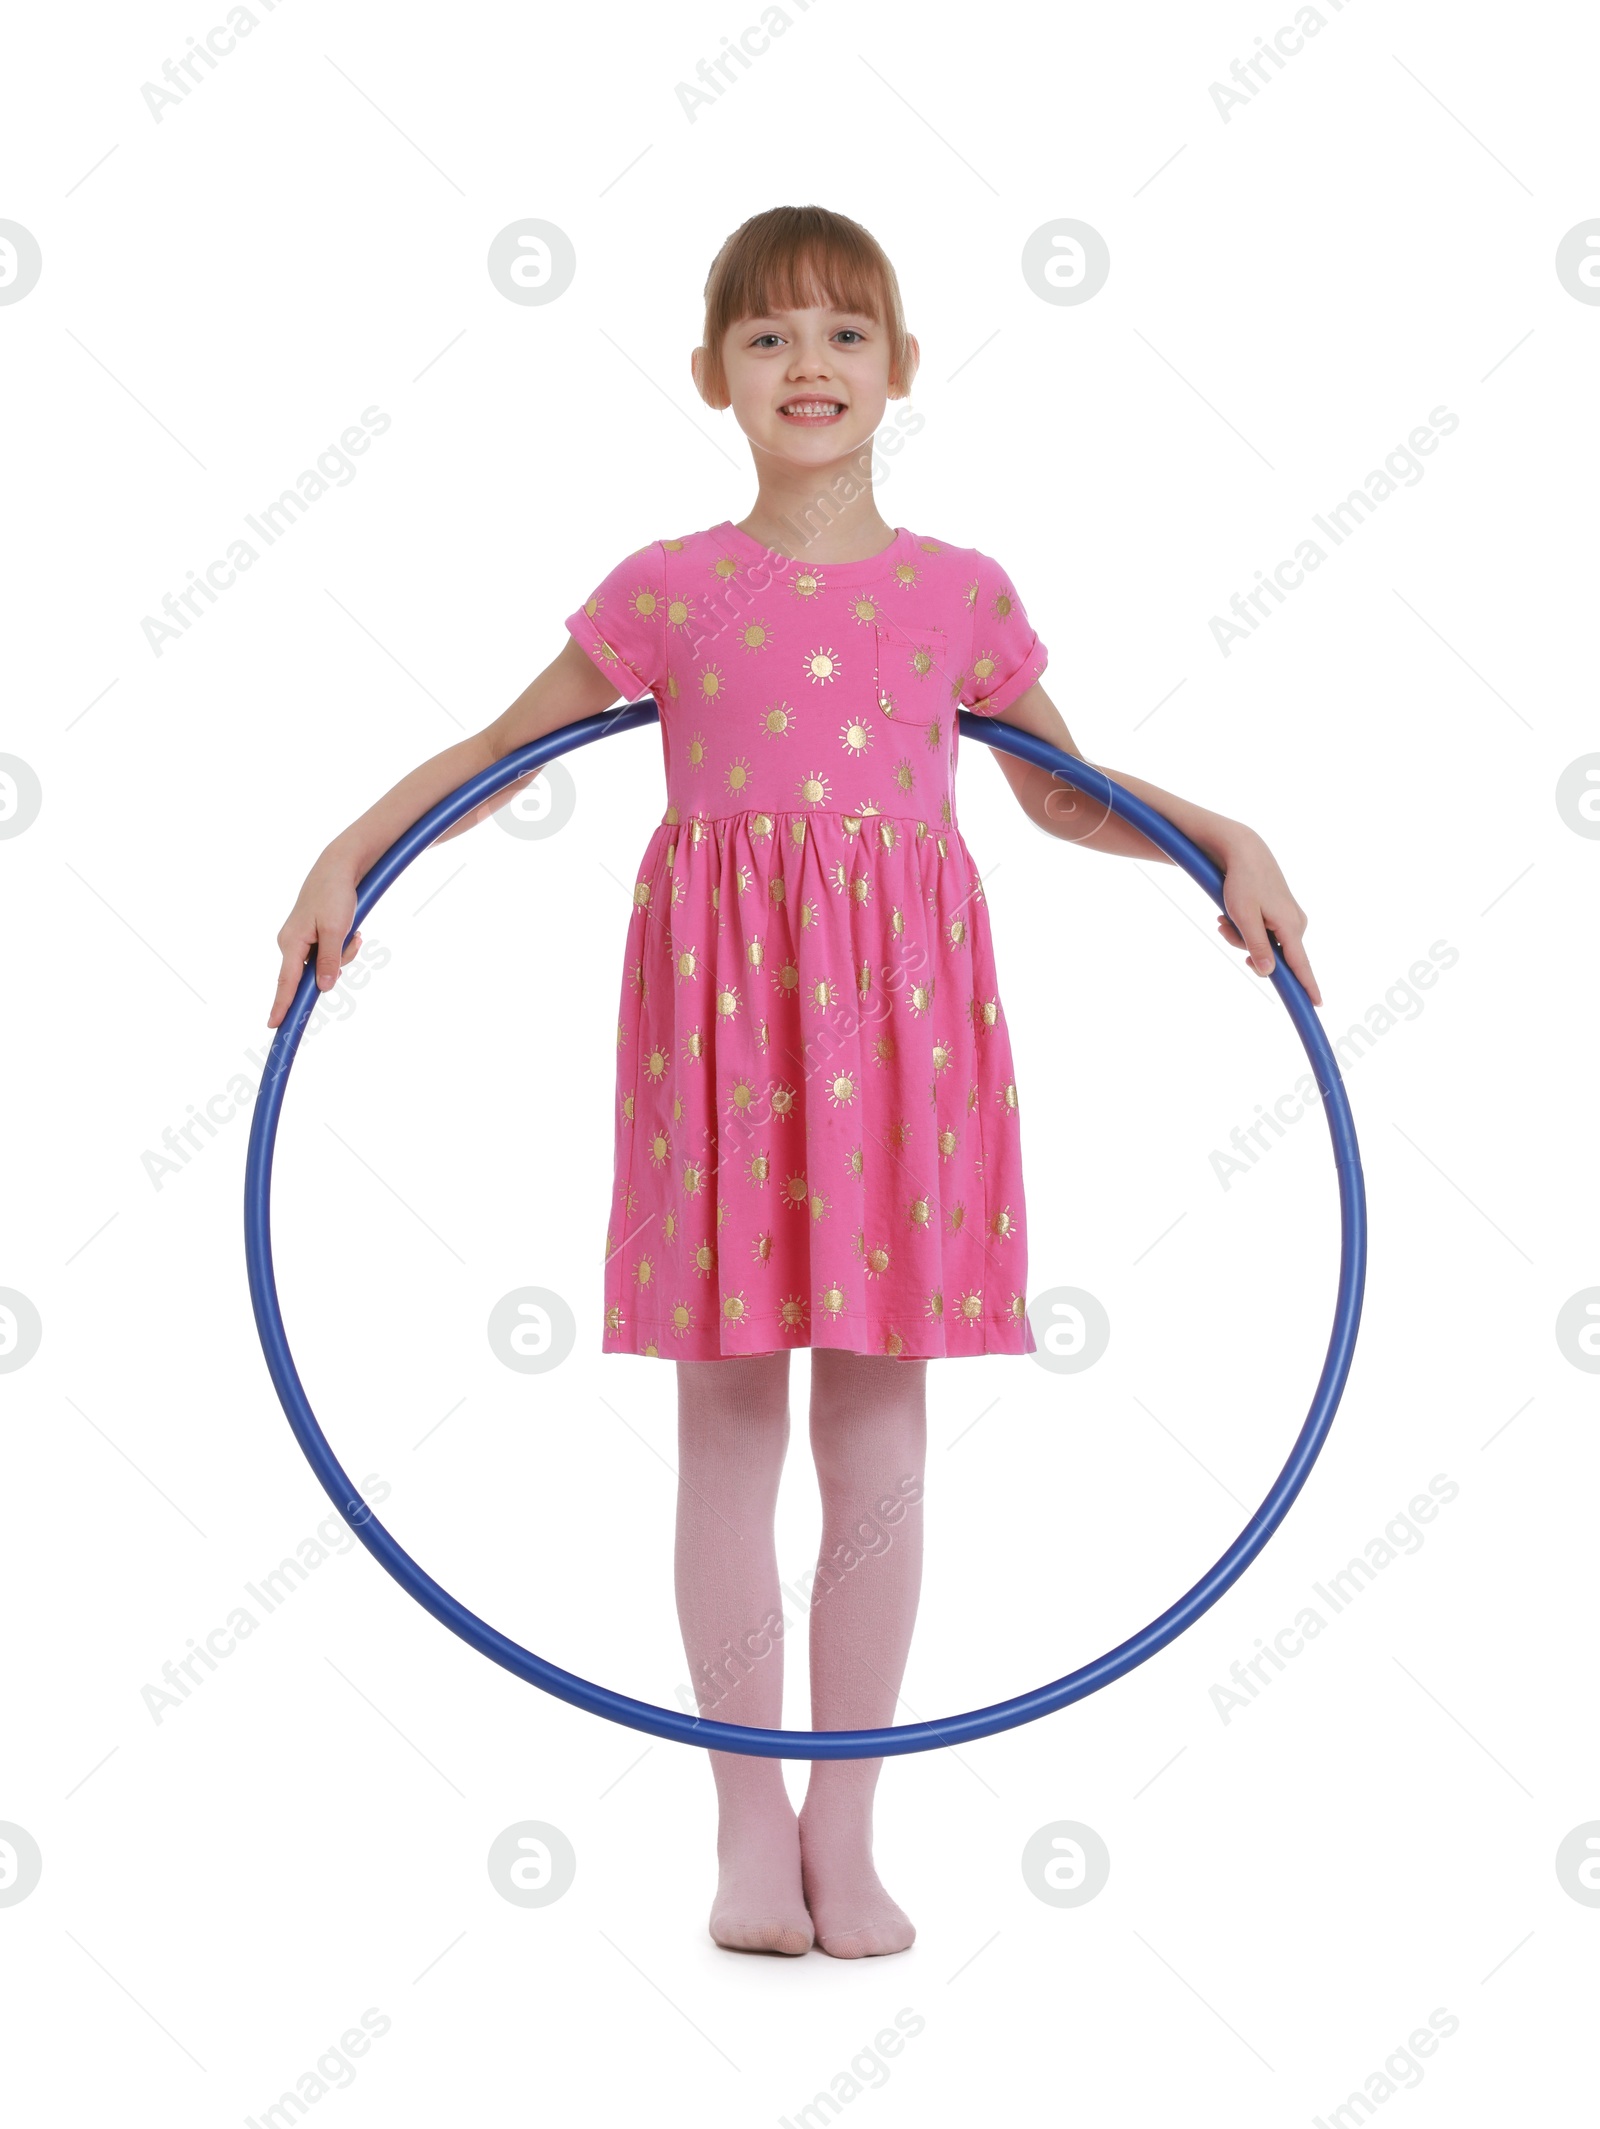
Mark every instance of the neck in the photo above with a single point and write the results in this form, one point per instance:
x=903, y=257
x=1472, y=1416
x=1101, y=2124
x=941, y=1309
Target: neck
x=825, y=513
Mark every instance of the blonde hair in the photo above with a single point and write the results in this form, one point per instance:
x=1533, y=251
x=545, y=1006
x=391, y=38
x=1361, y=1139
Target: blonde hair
x=789, y=258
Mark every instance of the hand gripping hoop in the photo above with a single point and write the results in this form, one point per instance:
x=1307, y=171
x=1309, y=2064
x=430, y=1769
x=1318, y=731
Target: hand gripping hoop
x=701, y=1730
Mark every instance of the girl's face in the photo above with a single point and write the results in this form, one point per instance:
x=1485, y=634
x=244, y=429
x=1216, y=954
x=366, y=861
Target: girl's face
x=807, y=386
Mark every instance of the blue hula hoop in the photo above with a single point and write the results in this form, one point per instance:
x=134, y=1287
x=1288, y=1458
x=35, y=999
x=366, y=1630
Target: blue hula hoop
x=688, y=1729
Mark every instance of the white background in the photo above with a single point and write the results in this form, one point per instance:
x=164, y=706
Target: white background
x=1293, y=1890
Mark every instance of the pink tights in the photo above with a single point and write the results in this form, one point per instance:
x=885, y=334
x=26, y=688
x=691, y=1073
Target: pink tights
x=785, y=1881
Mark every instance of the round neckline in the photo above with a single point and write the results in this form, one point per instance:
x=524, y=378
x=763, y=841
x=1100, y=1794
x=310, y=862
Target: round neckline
x=857, y=572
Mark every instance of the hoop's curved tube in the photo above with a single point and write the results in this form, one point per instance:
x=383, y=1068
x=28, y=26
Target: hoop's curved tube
x=700, y=1730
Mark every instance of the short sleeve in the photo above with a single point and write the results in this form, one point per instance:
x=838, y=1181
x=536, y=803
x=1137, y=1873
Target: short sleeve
x=1006, y=656
x=623, y=623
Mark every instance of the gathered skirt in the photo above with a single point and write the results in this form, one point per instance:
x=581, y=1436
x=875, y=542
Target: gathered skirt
x=818, y=1140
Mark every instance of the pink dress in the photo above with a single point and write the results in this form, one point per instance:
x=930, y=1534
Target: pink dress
x=817, y=1136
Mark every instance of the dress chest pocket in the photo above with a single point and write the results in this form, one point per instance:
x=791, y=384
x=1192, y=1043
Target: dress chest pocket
x=914, y=677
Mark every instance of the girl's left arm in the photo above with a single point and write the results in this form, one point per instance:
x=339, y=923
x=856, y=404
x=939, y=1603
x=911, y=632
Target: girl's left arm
x=1259, y=906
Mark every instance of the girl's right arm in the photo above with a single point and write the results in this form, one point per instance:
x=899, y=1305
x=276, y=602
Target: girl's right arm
x=571, y=686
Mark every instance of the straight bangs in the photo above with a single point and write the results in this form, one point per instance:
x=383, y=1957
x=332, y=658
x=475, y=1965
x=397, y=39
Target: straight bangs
x=792, y=258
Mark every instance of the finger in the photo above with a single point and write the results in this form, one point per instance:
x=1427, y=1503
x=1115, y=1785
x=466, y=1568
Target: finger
x=294, y=961
x=1230, y=931
x=1293, y=949
x=330, y=948
x=1252, y=925
x=352, y=949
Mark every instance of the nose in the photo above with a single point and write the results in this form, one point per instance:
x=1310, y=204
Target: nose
x=808, y=362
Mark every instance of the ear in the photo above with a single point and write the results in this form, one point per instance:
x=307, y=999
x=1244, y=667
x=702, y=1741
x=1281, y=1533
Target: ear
x=902, y=385
x=697, y=370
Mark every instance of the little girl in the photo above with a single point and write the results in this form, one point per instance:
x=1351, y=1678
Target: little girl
x=817, y=1122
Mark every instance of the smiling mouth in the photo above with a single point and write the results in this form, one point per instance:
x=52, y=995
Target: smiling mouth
x=812, y=412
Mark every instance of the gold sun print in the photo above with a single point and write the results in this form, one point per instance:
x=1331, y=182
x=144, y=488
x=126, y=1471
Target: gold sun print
x=842, y=1089
x=971, y=1305
x=877, y=1260
x=822, y=993
x=864, y=611
x=821, y=1205
x=905, y=776
x=814, y=789
x=855, y=736
x=755, y=635
x=934, y=1306
x=697, y=749
x=740, y=1096
x=776, y=721
x=832, y=1301
x=735, y=777
x=1001, y=604
x=643, y=603
x=679, y=614
x=725, y=567
x=711, y=681
x=806, y=584
x=792, y=1312
x=761, y=1247
x=922, y=660
x=822, y=665
x=759, y=1169
x=906, y=574
x=660, y=1149
x=705, y=1259
x=796, y=1191
x=681, y=1318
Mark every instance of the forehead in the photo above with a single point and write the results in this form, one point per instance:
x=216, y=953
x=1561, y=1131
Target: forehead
x=779, y=314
